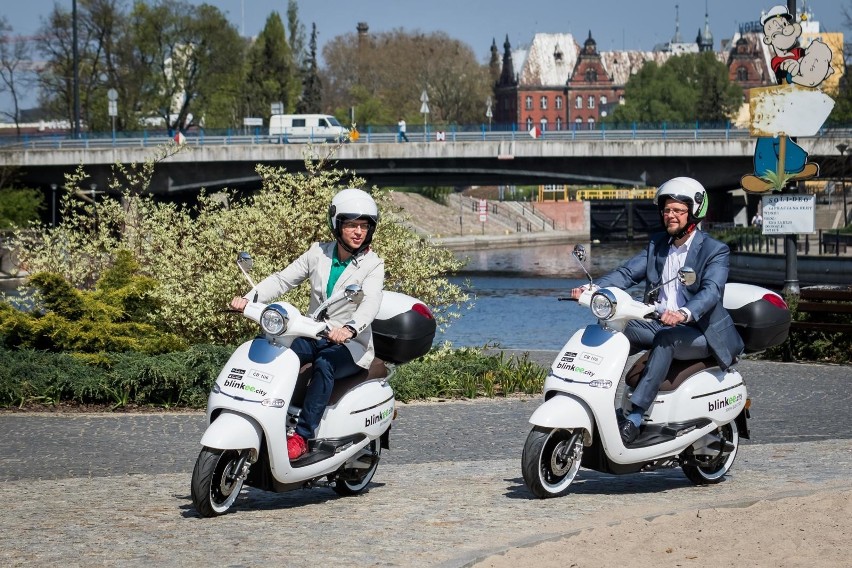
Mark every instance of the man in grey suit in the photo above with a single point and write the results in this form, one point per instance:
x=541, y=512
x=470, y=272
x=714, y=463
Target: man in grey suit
x=692, y=322
x=330, y=267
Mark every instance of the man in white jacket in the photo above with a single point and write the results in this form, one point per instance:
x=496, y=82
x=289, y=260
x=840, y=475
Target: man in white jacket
x=329, y=267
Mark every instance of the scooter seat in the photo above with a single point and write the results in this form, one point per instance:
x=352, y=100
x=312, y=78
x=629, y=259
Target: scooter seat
x=678, y=372
x=377, y=370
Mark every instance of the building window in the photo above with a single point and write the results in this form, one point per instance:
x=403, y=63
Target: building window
x=543, y=123
x=558, y=102
x=591, y=75
x=543, y=103
x=528, y=103
x=558, y=123
x=529, y=124
x=591, y=122
x=578, y=120
x=621, y=99
x=591, y=101
x=742, y=74
x=603, y=100
x=578, y=102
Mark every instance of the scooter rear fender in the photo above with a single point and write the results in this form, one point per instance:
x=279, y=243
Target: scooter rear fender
x=232, y=431
x=564, y=412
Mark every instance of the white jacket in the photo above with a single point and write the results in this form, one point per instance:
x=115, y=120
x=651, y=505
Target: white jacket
x=367, y=269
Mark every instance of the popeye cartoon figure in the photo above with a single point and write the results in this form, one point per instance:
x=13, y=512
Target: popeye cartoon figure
x=792, y=65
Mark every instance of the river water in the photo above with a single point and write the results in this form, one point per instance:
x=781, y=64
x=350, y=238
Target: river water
x=514, y=295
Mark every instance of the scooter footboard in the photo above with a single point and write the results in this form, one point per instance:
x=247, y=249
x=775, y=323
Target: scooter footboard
x=232, y=431
x=563, y=412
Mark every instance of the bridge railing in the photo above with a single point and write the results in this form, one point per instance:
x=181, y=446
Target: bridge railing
x=437, y=134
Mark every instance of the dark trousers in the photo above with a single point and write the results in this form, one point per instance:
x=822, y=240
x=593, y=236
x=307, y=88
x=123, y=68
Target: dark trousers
x=666, y=344
x=331, y=361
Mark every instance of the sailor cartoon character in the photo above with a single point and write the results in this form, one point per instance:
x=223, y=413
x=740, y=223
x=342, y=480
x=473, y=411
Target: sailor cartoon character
x=792, y=65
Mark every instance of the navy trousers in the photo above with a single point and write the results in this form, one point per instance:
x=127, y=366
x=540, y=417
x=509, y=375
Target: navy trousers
x=666, y=344
x=331, y=361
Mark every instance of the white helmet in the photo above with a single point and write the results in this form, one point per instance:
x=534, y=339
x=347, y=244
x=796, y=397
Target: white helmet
x=349, y=205
x=687, y=191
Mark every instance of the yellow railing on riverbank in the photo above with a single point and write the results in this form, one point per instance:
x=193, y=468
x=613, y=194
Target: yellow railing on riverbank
x=633, y=193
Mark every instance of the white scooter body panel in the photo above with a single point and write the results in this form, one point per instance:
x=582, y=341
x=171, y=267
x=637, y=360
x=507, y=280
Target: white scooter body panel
x=711, y=393
x=588, y=366
x=232, y=431
x=367, y=408
x=256, y=371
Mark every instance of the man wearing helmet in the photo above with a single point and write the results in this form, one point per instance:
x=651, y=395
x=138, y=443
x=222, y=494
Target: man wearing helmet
x=692, y=321
x=329, y=267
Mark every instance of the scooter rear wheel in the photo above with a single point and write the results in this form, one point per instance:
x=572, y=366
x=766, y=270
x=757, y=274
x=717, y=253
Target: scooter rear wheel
x=351, y=480
x=709, y=469
x=214, y=488
x=551, y=460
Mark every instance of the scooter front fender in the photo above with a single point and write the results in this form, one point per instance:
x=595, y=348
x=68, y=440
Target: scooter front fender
x=232, y=431
x=563, y=412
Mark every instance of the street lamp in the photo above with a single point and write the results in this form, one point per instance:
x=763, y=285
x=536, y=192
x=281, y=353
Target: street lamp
x=842, y=149
x=53, y=187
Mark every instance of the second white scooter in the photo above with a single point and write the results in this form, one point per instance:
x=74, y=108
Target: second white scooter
x=696, y=421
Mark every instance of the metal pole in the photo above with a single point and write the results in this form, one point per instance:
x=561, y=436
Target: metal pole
x=791, y=277
x=76, y=64
x=842, y=147
x=53, y=187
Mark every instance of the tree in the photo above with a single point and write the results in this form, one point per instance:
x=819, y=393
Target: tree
x=311, y=99
x=15, y=60
x=686, y=88
x=187, y=55
x=272, y=75
x=394, y=68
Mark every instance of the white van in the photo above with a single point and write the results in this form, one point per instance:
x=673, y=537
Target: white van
x=315, y=128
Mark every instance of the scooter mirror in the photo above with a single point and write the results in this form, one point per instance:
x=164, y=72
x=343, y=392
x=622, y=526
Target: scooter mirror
x=579, y=252
x=686, y=275
x=354, y=293
x=244, y=261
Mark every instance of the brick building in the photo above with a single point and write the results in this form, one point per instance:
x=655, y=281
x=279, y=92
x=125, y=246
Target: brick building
x=557, y=84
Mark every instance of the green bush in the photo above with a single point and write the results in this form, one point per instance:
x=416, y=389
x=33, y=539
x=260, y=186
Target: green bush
x=19, y=207
x=466, y=373
x=180, y=378
x=112, y=318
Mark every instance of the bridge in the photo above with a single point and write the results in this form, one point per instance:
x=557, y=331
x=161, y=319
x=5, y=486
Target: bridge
x=622, y=157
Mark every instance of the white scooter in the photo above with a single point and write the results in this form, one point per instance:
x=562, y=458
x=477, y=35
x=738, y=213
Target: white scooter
x=258, y=394
x=696, y=421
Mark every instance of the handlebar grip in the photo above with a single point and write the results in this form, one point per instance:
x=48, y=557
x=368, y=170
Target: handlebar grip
x=568, y=299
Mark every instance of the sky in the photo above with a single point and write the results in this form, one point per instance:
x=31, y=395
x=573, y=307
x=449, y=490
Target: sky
x=614, y=24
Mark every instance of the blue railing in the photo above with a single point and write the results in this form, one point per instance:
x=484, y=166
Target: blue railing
x=388, y=134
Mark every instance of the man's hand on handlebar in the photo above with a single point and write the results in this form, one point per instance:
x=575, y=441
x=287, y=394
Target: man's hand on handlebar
x=672, y=318
x=238, y=304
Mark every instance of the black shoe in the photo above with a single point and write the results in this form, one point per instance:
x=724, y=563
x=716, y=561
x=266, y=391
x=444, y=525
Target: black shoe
x=629, y=432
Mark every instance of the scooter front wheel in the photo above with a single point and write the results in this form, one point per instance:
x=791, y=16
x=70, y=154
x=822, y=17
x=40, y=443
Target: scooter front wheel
x=216, y=481
x=551, y=460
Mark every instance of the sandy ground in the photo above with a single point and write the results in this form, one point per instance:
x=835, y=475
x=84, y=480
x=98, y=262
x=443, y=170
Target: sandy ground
x=807, y=530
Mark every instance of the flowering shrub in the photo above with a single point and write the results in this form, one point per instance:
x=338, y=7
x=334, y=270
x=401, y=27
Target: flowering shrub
x=190, y=252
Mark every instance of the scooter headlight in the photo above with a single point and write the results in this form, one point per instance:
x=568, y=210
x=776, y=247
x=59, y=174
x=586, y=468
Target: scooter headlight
x=274, y=319
x=603, y=304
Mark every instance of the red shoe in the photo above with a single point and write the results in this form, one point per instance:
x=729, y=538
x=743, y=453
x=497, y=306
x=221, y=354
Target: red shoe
x=296, y=446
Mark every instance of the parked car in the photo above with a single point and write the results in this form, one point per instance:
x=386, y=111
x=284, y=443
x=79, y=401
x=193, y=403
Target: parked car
x=301, y=128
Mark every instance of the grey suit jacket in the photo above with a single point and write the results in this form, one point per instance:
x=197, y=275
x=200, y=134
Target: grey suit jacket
x=367, y=269
x=709, y=258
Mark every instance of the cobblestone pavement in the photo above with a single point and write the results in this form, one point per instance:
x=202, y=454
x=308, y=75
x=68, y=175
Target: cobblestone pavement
x=114, y=489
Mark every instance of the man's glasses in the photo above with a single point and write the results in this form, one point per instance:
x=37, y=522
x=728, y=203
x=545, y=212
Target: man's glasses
x=678, y=212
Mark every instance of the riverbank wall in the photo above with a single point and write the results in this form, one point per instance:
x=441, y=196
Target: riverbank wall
x=770, y=269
